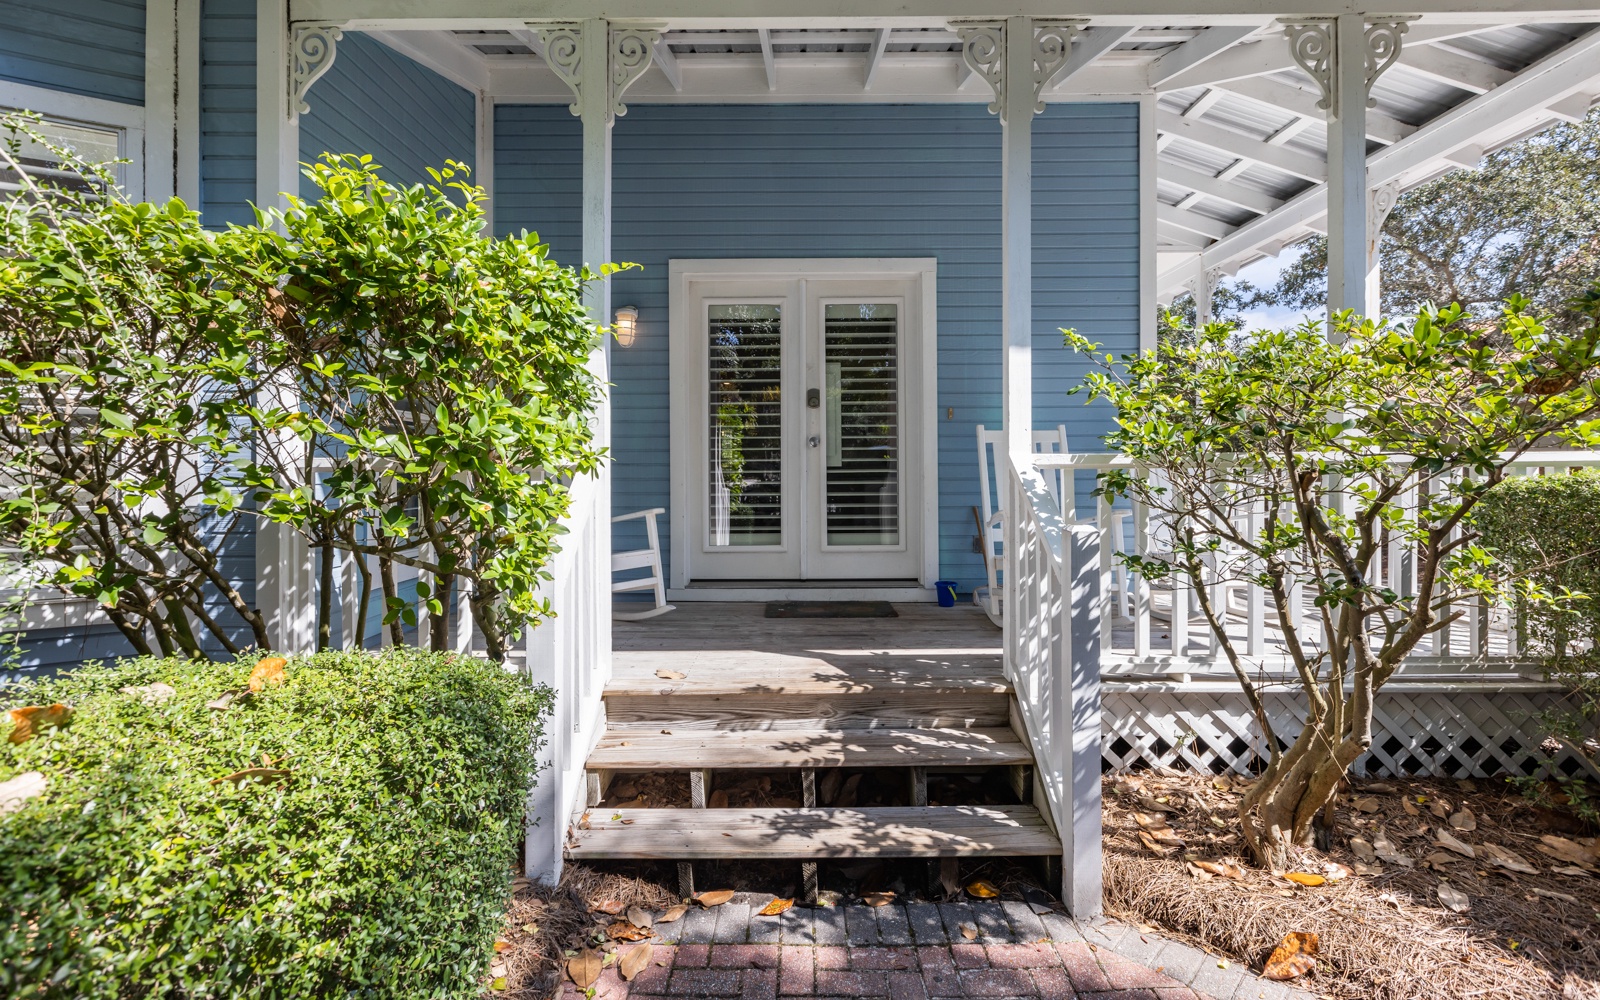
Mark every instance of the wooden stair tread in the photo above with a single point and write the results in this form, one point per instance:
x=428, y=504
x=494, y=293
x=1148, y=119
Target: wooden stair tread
x=818, y=672
x=648, y=748
x=883, y=832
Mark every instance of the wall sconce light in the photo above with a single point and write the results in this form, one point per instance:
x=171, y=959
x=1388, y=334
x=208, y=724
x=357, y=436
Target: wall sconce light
x=626, y=326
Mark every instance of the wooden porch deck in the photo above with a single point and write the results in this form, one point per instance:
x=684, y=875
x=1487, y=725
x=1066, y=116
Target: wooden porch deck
x=922, y=691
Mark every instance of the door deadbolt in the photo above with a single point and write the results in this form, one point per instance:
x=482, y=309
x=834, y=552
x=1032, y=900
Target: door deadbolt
x=813, y=398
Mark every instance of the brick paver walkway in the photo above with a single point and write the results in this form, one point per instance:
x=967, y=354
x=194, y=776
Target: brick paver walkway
x=917, y=952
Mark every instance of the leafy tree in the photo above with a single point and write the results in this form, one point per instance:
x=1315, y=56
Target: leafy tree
x=446, y=383
x=1294, y=463
x=125, y=364
x=364, y=368
x=1527, y=221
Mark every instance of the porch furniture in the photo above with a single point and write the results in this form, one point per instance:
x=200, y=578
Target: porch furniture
x=645, y=558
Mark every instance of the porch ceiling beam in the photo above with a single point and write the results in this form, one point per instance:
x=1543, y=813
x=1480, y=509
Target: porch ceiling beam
x=441, y=53
x=1212, y=187
x=1237, y=144
x=1091, y=44
x=502, y=14
x=1453, y=68
x=1572, y=69
x=1270, y=54
x=768, y=61
x=1170, y=237
x=1195, y=51
x=1302, y=102
x=1184, y=219
x=880, y=43
x=668, y=64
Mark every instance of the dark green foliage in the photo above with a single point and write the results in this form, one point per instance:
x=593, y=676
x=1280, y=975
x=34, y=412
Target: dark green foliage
x=379, y=868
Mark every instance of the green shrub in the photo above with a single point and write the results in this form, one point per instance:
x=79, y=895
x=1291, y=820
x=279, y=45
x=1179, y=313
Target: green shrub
x=379, y=867
x=1545, y=529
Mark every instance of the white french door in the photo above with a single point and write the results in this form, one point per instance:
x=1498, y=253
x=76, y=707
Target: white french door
x=798, y=431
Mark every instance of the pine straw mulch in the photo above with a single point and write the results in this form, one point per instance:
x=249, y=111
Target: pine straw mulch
x=1384, y=934
x=544, y=924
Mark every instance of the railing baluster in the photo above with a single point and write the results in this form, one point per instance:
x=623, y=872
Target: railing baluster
x=1141, y=585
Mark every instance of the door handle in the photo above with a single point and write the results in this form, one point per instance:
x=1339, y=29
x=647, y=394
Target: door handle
x=814, y=441
x=813, y=398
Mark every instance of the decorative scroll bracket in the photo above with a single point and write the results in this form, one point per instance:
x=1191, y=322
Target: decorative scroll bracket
x=983, y=49
x=629, y=50
x=1380, y=202
x=312, y=48
x=1314, y=44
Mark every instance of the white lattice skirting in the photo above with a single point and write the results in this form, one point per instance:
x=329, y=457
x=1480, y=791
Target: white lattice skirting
x=1435, y=730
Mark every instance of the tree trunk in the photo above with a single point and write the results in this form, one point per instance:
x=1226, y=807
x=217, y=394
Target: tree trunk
x=439, y=631
x=325, y=596
x=397, y=631
x=1278, y=812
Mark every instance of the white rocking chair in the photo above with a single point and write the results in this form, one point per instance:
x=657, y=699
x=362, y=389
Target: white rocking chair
x=991, y=520
x=646, y=558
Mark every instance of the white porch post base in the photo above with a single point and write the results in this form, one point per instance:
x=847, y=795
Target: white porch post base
x=1082, y=882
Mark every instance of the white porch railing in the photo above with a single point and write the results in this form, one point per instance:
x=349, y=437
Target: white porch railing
x=1468, y=703
x=572, y=654
x=1052, y=658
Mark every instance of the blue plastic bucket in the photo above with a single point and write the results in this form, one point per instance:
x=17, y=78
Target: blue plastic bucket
x=946, y=589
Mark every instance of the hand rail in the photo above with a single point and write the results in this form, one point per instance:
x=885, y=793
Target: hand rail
x=1052, y=660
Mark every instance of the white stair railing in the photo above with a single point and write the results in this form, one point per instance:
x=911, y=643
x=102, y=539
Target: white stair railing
x=571, y=653
x=1052, y=657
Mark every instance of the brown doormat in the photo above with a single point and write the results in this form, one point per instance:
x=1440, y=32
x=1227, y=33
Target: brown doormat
x=831, y=609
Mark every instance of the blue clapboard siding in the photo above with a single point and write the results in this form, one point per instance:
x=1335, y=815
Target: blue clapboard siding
x=92, y=47
x=377, y=101
x=227, y=112
x=849, y=181
x=46, y=652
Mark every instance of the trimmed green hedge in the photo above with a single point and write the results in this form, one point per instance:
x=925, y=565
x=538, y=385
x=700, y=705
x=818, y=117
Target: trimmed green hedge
x=379, y=867
x=1546, y=529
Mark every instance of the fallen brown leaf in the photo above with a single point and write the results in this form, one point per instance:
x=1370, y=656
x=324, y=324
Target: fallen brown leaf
x=1563, y=849
x=639, y=917
x=33, y=719
x=775, y=907
x=612, y=906
x=1453, y=899
x=718, y=800
x=969, y=931
x=634, y=961
x=671, y=675
x=982, y=890
x=1496, y=855
x=1223, y=868
x=622, y=930
x=1366, y=804
x=1449, y=843
x=1306, y=878
x=268, y=670
x=1362, y=848
x=1464, y=820
x=584, y=968
x=715, y=897
x=877, y=898
x=672, y=914
x=1292, y=958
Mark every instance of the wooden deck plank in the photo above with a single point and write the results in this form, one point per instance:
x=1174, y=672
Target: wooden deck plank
x=908, y=710
x=893, y=832
x=731, y=649
x=648, y=748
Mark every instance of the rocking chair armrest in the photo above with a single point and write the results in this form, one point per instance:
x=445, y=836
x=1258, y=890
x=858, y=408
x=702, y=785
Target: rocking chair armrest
x=652, y=512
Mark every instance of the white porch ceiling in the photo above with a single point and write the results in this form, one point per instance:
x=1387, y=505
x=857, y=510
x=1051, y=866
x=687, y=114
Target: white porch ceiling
x=1241, y=144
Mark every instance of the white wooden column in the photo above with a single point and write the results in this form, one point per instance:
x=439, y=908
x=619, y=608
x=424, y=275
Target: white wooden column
x=289, y=58
x=1345, y=55
x=1017, y=99
x=160, y=99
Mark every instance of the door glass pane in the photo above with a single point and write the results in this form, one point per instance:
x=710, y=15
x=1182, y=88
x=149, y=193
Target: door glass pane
x=861, y=360
x=745, y=425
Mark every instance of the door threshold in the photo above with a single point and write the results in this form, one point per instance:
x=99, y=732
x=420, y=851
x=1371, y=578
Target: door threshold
x=899, y=591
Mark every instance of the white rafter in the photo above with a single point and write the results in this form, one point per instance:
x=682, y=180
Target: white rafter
x=668, y=64
x=1197, y=50
x=1508, y=110
x=1452, y=67
x=1091, y=44
x=1302, y=102
x=768, y=61
x=440, y=52
x=880, y=43
x=1239, y=145
x=1219, y=188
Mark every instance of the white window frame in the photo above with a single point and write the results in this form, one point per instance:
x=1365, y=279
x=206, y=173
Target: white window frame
x=920, y=346
x=127, y=120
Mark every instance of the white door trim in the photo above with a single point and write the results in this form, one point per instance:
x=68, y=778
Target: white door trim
x=921, y=397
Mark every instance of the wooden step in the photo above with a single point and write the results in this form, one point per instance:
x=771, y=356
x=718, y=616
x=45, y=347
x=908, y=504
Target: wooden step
x=723, y=673
x=908, y=710
x=809, y=834
x=642, y=748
